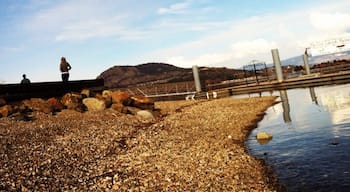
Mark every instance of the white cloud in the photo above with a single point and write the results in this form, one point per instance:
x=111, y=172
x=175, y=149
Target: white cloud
x=91, y=28
x=221, y=42
x=174, y=8
x=55, y=17
x=331, y=22
x=246, y=49
x=188, y=7
x=234, y=57
x=10, y=49
x=235, y=43
x=81, y=20
x=210, y=59
x=175, y=25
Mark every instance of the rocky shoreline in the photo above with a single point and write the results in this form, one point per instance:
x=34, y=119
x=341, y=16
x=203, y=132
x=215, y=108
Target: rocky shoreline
x=191, y=146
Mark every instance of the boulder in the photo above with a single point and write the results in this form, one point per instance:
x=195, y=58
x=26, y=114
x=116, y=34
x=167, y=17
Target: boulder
x=55, y=104
x=6, y=111
x=108, y=102
x=119, y=107
x=142, y=102
x=122, y=97
x=37, y=104
x=145, y=114
x=133, y=110
x=99, y=96
x=85, y=93
x=107, y=99
x=72, y=101
x=23, y=108
x=94, y=104
x=23, y=113
x=263, y=136
x=2, y=102
x=107, y=94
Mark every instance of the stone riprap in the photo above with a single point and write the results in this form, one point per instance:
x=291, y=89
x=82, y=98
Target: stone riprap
x=189, y=146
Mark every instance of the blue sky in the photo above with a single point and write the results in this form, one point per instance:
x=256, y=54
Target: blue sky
x=95, y=35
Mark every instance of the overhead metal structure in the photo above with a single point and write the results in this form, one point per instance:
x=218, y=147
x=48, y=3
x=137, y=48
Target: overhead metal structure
x=257, y=67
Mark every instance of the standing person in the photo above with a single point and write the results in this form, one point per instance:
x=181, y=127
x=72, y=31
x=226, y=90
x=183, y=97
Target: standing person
x=25, y=80
x=65, y=67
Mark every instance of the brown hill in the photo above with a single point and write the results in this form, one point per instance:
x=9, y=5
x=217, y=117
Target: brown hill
x=160, y=73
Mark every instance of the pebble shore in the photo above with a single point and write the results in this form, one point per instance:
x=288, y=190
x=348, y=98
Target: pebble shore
x=193, y=146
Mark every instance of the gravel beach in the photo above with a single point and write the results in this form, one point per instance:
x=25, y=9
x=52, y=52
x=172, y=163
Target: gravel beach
x=192, y=146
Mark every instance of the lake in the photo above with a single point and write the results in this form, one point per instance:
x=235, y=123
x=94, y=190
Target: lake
x=310, y=149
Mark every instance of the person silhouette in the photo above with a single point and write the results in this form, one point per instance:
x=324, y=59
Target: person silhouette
x=64, y=68
x=25, y=80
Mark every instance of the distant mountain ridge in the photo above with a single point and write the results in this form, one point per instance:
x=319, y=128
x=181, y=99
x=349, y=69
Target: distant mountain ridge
x=156, y=73
x=298, y=60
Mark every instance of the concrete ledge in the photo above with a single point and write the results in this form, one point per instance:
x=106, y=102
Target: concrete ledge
x=14, y=92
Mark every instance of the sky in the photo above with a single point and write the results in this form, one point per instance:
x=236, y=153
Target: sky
x=95, y=35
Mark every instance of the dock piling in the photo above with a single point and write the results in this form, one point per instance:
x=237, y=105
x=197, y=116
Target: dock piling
x=196, y=78
x=277, y=63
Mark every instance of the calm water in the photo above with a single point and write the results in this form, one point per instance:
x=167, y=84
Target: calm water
x=310, y=149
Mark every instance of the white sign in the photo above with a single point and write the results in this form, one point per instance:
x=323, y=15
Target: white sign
x=329, y=46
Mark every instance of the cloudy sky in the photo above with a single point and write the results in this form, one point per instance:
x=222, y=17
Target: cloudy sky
x=95, y=35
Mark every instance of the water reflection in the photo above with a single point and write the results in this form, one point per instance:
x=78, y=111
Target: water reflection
x=311, y=138
x=335, y=98
x=335, y=101
x=313, y=95
x=285, y=105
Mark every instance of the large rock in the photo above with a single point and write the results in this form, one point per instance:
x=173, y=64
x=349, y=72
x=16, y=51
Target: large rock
x=107, y=94
x=263, y=136
x=142, y=102
x=94, y=104
x=106, y=97
x=133, y=110
x=2, y=102
x=55, y=104
x=37, y=104
x=145, y=114
x=85, y=93
x=72, y=101
x=122, y=97
x=6, y=110
x=119, y=107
